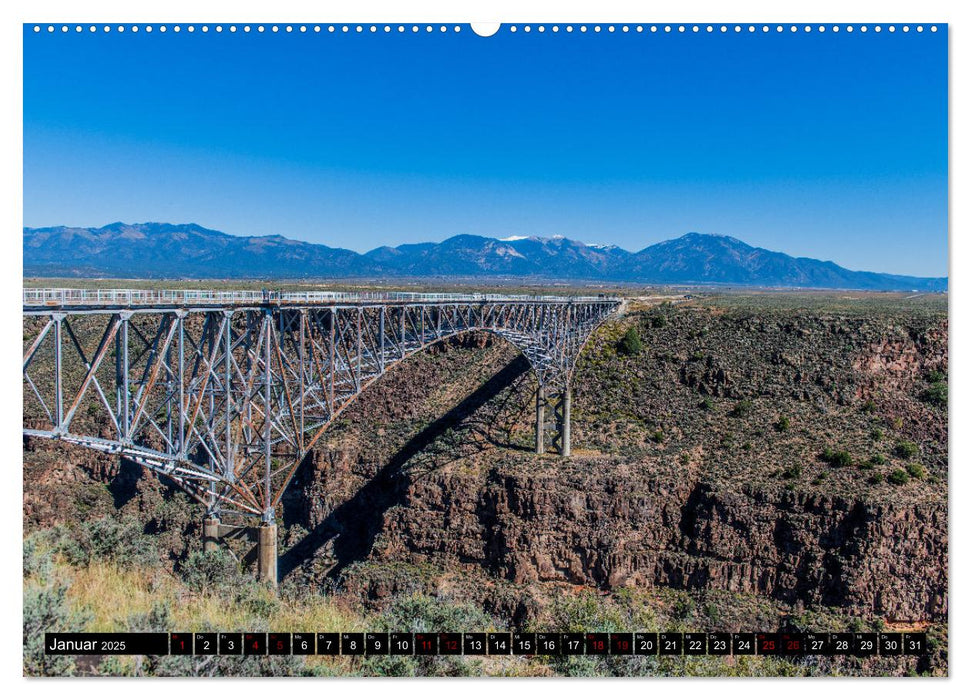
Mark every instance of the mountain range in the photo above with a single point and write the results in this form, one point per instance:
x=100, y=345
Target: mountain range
x=159, y=250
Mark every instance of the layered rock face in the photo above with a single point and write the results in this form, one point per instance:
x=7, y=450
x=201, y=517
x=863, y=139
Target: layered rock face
x=608, y=525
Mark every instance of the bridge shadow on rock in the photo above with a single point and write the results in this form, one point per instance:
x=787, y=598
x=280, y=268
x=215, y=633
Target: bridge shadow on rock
x=463, y=431
x=124, y=486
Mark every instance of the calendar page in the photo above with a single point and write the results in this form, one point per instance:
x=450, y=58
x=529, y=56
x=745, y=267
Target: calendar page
x=533, y=349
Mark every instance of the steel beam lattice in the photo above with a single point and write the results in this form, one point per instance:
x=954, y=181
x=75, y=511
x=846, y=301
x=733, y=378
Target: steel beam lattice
x=225, y=393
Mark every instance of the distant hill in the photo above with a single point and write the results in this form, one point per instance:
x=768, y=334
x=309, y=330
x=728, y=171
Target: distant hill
x=176, y=250
x=156, y=250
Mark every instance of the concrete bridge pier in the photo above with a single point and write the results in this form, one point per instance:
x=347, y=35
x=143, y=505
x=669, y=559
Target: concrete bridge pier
x=266, y=554
x=565, y=422
x=210, y=533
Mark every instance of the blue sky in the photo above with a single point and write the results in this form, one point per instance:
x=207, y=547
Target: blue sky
x=828, y=145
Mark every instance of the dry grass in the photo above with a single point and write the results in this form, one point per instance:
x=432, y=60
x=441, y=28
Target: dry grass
x=113, y=596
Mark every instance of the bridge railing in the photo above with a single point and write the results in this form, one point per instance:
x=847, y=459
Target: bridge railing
x=57, y=297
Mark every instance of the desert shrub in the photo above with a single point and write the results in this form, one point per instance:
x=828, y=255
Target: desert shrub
x=875, y=478
x=936, y=394
x=743, y=407
x=258, y=600
x=158, y=619
x=869, y=406
x=876, y=434
x=114, y=667
x=294, y=534
x=697, y=356
x=916, y=470
x=783, y=424
x=230, y=666
x=837, y=458
x=874, y=461
x=211, y=571
x=586, y=611
x=706, y=404
x=658, y=320
x=47, y=609
x=792, y=472
x=898, y=477
x=906, y=449
x=658, y=436
x=118, y=540
x=630, y=344
x=935, y=376
x=38, y=556
x=423, y=613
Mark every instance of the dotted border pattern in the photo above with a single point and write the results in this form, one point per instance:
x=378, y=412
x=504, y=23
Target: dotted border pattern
x=506, y=28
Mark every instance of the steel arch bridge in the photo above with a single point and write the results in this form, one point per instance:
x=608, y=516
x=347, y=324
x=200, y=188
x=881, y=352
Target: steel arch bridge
x=226, y=392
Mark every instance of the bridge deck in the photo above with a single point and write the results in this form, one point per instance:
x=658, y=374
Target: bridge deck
x=50, y=299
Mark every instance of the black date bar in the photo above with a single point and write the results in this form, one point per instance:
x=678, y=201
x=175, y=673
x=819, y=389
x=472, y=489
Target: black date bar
x=109, y=643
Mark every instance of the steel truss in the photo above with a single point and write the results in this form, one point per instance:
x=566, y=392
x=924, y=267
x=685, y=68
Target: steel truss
x=226, y=395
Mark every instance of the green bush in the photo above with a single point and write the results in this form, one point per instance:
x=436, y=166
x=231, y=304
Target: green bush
x=113, y=667
x=119, y=540
x=874, y=461
x=38, y=557
x=743, y=407
x=876, y=434
x=423, y=613
x=706, y=404
x=630, y=344
x=936, y=394
x=820, y=478
x=917, y=470
x=876, y=478
x=906, y=450
x=792, y=472
x=46, y=609
x=837, y=458
x=658, y=320
x=935, y=376
x=869, y=406
x=783, y=424
x=211, y=571
x=898, y=477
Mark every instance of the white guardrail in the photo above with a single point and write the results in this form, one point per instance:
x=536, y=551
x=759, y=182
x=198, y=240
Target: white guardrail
x=190, y=297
